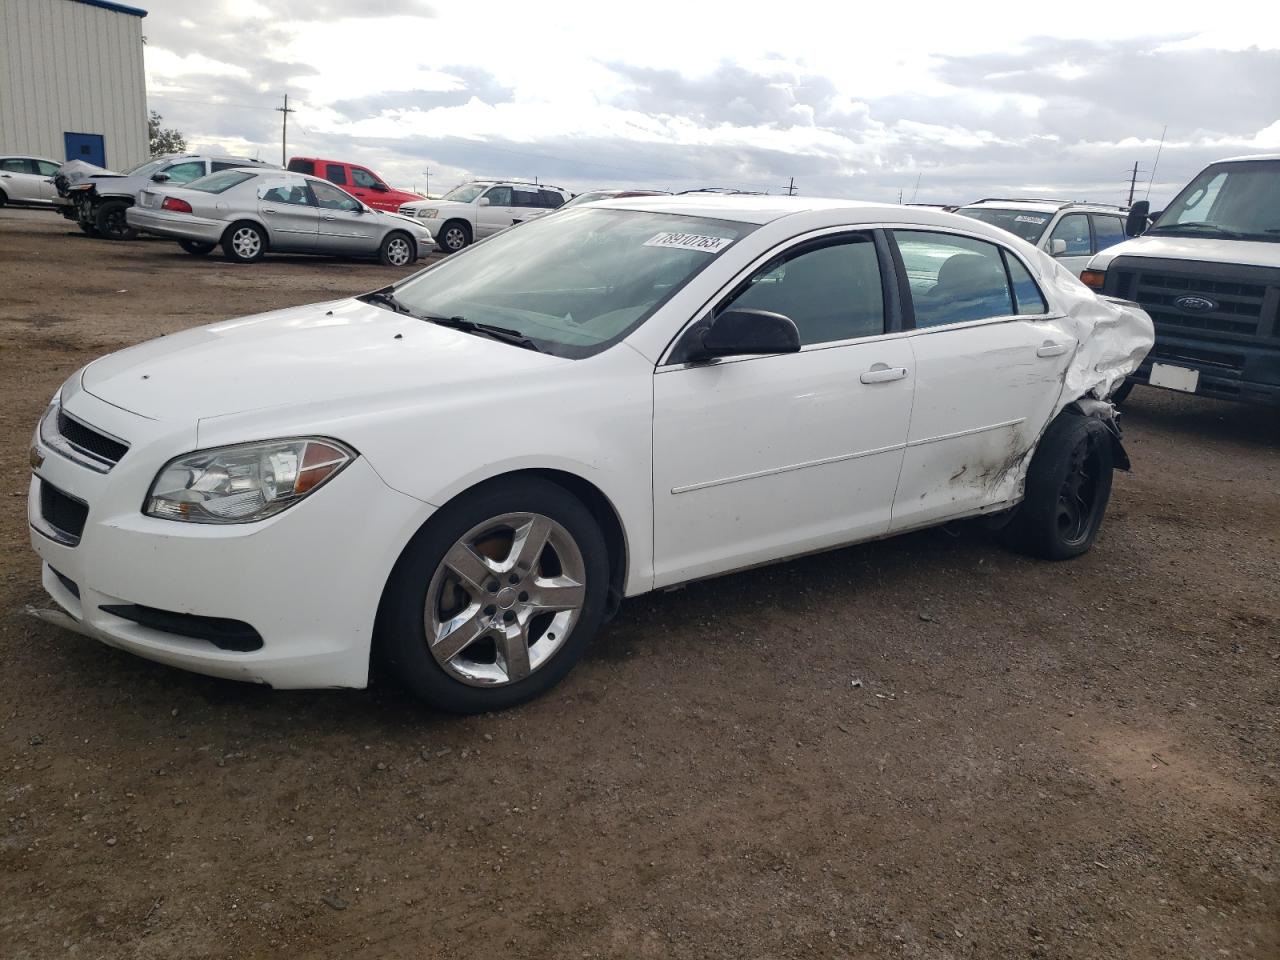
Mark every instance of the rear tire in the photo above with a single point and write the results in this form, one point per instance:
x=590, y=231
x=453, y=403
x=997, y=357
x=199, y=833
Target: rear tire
x=87, y=228
x=1067, y=489
x=244, y=242
x=454, y=235
x=197, y=248
x=518, y=617
x=397, y=250
x=4, y=198
x=111, y=223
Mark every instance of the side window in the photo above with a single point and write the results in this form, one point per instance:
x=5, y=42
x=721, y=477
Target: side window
x=288, y=192
x=551, y=199
x=331, y=198
x=185, y=172
x=335, y=173
x=499, y=196
x=45, y=168
x=363, y=178
x=14, y=165
x=1029, y=299
x=217, y=165
x=526, y=198
x=953, y=279
x=1074, y=229
x=832, y=291
x=1107, y=231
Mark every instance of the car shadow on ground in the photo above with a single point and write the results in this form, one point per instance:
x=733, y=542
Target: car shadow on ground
x=1198, y=419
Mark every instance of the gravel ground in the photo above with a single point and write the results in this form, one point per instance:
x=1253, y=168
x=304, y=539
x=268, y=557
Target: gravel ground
x=924, y=748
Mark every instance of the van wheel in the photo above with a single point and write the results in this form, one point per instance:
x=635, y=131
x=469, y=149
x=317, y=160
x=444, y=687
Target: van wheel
x=1121, y=393
x=497, y=596
x=111, y=223
x=454, y=235
x=244, y=243
x=197, y=248
x=1068, y=486
x=396, y=250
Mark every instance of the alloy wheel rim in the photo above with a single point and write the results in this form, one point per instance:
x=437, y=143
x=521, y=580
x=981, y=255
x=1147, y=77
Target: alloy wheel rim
x=453, y=238
x=1078, y=495
x=504, y=599
x=246, y=242
x=398, y=252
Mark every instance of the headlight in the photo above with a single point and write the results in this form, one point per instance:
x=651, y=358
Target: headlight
x=428, y=214
x=244, y=483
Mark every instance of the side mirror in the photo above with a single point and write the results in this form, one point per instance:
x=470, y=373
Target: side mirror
x=159, y=177
x=381, y=187
x=1135, y=225
x=737, y=333
x=482, y=202
x=1057, y=248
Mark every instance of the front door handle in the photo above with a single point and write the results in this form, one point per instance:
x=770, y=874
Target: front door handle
x=1051, y=349
x=883, y=373
x=268, y=212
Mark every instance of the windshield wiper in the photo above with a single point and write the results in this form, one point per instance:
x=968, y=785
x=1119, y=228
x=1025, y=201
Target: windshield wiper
x=385, y=298
x=504, y=334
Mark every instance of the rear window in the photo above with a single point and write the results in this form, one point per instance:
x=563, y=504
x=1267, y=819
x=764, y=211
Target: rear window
x=221, y=181
x=551, y=199
x=302, y=166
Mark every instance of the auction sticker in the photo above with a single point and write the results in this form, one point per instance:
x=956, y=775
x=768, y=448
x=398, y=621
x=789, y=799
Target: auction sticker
x=689, y=241
x=1035, y=220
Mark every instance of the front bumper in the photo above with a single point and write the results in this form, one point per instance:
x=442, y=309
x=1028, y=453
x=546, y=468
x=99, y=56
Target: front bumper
x=1229, y=370
x=177, y=226
x=308, y=580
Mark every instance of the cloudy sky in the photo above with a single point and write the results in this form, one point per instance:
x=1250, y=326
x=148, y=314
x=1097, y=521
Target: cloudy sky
x=944, y=102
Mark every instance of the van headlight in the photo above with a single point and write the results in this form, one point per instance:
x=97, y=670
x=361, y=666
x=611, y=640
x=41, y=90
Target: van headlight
x=244, y=483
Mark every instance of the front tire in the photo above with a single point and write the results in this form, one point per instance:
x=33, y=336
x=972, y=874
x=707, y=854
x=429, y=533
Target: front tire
x=87, y=228
x=244, y=243
x=397, y=250
x=496, y=598
x=111, y=223
x=454, y=235
x=1067, y=490
x=197, y=248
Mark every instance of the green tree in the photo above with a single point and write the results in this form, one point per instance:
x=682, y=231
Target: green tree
x=164, y=140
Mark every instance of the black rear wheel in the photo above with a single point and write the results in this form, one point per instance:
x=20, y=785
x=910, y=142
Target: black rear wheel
x=1067, y=489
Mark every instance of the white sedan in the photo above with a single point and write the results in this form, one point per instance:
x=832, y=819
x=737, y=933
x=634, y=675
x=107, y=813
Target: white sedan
x=27, y=181
x=467, y=471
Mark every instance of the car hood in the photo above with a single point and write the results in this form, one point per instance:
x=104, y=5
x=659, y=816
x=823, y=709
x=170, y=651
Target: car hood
x=1257, y=253
x=323, y=353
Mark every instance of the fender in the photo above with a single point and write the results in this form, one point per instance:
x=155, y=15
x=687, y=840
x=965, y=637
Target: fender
x=1107, y=413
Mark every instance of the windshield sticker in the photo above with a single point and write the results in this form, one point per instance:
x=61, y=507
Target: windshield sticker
x=689, y=241
x=1036, y=220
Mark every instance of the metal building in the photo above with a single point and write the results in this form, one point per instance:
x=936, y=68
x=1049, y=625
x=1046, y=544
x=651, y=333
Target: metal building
x=72, y=85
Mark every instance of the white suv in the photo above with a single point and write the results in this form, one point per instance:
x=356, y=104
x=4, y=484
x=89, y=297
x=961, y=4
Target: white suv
x=480, y=208
x=1071, y=231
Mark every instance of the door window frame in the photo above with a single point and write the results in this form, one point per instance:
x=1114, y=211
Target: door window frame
x=1088, y=219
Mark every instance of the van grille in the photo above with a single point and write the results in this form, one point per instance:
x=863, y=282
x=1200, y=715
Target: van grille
x=1245, y=300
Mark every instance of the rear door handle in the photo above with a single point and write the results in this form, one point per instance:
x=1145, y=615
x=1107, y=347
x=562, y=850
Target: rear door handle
x=883, y=373
x=1051, y=349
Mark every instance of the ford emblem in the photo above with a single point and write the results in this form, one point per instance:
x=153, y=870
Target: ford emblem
x=1195, y=304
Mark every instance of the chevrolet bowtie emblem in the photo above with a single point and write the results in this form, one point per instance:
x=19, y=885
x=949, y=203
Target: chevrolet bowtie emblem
x=36, y=458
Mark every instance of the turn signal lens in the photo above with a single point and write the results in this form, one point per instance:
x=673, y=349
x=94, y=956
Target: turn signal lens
x=1093, y=278
x=244, y=483
x=176, y=205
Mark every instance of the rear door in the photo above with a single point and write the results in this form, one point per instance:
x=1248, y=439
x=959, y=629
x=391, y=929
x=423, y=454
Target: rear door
x=989, y=361
x=346, y=228
x=528, y=203
x=1108, y=230
x=289, y=211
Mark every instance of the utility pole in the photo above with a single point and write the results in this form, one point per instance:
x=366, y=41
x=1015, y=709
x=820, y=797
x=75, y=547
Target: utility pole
x=899, y=195
x=791, y=188
x=1133, y=182
x=284, y=128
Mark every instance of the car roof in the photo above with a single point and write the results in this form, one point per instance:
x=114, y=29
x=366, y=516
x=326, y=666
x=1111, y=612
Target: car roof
x=1256, y=156
x=763, y=208
x=1041, y=205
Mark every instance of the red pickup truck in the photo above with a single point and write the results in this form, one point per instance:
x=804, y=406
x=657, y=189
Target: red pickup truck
x=361, y=182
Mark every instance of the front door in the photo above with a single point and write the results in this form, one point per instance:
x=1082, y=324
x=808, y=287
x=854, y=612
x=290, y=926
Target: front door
x=498, y=214
x=1073, y=231
x=758, y=458
x=989, y=364
x=19, y=181
x=88, y=147
x=346, y=228
x=289, y=211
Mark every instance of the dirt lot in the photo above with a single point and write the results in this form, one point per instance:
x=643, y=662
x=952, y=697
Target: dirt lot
x=1061, y=761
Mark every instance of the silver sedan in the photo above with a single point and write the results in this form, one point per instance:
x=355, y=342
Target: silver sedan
x=250, y=212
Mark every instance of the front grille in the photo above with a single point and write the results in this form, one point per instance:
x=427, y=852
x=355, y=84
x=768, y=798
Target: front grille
x=88, y=440
x=222, y=633
x=63, y=513
x=1246, y=300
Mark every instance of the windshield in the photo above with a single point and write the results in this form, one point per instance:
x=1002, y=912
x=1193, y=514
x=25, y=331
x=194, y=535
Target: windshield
x=221, y=181
x=1026, y=224
x=576, y=282
x=465, y=193
x=1238, y=201
x=149, y=166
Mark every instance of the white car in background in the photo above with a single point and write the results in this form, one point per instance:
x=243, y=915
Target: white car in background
x=481, y=208
x=27, y=181
x=469, y=469
x=1070, y=231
